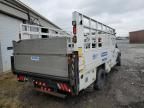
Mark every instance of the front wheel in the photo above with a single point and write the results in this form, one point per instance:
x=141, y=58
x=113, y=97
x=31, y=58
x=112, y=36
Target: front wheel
x=100, y=79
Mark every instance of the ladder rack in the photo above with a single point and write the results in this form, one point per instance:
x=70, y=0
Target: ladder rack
x=92, y=25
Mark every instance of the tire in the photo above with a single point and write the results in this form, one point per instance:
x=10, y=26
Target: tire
x=119, y=60
x=100, y=79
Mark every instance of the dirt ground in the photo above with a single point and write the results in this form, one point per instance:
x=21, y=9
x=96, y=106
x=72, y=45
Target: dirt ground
x=124, y=87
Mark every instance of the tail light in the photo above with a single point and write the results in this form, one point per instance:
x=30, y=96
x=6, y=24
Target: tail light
x=21, y=78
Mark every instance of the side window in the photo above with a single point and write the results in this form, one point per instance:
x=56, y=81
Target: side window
x=44, y=30
x=99, y=42
x=87, y=43
x=94, y=42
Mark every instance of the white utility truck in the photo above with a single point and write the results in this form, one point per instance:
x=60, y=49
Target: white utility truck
x=61, y=63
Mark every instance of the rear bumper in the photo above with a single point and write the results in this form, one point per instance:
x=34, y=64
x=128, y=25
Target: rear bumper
x=51, y=93
x=41, y=76
x=50, y=82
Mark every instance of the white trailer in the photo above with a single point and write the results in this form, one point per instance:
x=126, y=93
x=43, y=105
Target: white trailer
x=61, y=63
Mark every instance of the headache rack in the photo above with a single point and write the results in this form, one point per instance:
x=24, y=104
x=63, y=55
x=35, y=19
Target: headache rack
x=33, y=31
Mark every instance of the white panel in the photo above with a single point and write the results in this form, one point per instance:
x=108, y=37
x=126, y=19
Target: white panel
x=9, y=30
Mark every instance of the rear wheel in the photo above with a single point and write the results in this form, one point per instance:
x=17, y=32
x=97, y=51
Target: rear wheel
x=100, y=79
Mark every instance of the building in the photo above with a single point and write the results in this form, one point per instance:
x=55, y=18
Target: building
x=12, y=14
x=136, y=36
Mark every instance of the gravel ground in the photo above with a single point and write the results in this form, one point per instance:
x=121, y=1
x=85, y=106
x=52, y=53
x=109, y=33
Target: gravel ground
x=124, y=87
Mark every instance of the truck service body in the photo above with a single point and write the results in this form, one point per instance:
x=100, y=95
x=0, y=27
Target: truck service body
x=61, y=63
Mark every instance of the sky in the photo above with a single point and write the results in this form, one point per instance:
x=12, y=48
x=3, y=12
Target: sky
x=123, y=15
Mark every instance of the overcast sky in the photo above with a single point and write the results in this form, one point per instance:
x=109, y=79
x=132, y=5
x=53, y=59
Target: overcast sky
x=123, y=15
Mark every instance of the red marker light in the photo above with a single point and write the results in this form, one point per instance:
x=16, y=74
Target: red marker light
x=69, y=90
x=45, y=88
x=41, y=88
x=40, y=83
x=44, y=84
x=74, y=29
x=36, y=82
